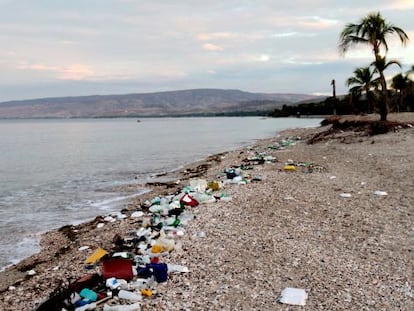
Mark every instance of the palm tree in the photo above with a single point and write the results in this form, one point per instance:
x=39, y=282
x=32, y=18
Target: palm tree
x=401, y=83
x=373, y=30
x=362, y=81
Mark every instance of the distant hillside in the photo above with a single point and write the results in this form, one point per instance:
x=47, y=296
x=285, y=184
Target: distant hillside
x=171, y=103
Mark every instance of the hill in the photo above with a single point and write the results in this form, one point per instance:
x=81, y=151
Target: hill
x=170, y=103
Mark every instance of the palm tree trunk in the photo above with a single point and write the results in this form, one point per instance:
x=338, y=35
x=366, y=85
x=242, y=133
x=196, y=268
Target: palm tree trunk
x=384, y=91
x=384, y=99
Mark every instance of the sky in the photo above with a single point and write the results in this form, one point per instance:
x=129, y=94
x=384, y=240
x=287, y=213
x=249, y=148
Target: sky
x=53, y=48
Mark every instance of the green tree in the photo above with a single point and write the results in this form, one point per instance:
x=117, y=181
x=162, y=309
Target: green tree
x=362, y=82
x=373, y=30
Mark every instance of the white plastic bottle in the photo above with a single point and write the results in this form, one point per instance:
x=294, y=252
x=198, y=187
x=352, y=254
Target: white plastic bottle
x=134, y=307
x=131, y=296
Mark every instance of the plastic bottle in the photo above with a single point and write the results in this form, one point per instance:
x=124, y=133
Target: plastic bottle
x=134, y=307
x=131, y=296
x=185, y=217
x=177, y=268
x=90, y=306
x=139, y=284
x=113, y=283
x=172, y=232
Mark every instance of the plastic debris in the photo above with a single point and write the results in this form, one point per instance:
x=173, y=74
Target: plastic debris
x=198, y=185
x=293, y=296
x=89, y=306
x=96, y=256
x=131, y=270
x=146, y=292
x=131, y=296
x=380, y=193
x=289, y=168
x=177, y=268
x=134, y=307
x=345, y=195
x=117, y=268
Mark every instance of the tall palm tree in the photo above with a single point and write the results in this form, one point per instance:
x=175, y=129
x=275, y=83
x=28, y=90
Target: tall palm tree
x=373, y=30
x=363, y=81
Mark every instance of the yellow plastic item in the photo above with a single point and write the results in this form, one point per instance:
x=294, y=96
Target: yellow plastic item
x=146, y=292
x=289, y=168
x=98, y=254
x=163, y=245
x=213, y=185
x=157, y=249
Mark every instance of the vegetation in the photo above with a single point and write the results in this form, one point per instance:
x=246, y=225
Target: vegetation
x=373, y=30
x=362, y=83
x=368, y=87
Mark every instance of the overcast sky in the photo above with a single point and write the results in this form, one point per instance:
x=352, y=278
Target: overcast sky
x=85, y=47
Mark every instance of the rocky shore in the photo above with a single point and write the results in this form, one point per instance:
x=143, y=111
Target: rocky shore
x=339, y=225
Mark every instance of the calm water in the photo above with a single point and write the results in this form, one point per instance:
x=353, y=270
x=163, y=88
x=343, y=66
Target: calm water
x=57, y=172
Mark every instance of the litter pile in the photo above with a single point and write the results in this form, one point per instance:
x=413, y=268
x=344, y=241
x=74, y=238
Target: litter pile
x=305, y=167
x=124, y=276
x=129, y=273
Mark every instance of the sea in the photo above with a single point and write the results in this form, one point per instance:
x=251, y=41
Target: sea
x=55, y=172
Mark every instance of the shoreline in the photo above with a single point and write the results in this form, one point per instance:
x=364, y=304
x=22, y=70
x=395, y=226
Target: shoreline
x=283, y=204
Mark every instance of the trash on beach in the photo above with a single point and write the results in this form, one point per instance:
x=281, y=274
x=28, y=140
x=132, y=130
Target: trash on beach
x=88, y=294
x=380, y=193
x=118, y=268
x=177, y=268
x=130, y=271
x=345, y=195
x=188, y=200
x=137, y=214
x=134, y=307
x=109, y=219
x=31, y=272
x=198, y=185
x=305, y=167
x=96, y=256
x=128, y=295
x=293, y=296
x=214, y=185
x=289, y=168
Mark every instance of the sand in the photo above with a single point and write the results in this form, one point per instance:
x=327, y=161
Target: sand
x=324, y=231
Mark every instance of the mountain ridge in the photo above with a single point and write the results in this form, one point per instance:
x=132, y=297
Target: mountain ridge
x=164, y=103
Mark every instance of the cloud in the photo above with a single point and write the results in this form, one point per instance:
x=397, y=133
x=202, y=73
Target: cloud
x=252, y=45
x=76, y=72
x=317, y=22
x=68, y=72
x=402, y=4
x=212, y=47
x=215, y=35
x=37, y=67
x=258, y=58
x=285, y=34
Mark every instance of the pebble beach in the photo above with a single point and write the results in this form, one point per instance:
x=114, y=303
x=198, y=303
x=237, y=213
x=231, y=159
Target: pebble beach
x=339, y=226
